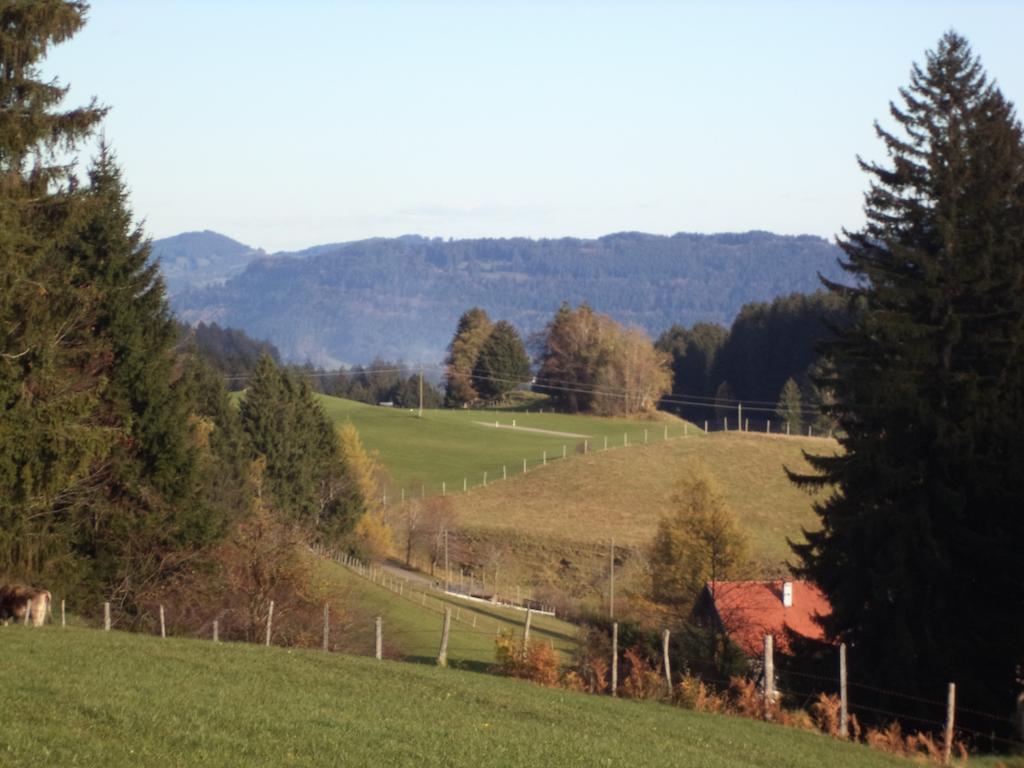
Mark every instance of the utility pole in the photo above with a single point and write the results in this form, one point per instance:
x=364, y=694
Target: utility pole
x=446, y=559
x=421, y=391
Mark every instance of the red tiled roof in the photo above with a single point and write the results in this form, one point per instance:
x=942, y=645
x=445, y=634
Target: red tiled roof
x=749, y=610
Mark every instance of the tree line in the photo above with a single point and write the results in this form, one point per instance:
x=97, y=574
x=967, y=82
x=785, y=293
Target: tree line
x=125, y=469
x=769, y=359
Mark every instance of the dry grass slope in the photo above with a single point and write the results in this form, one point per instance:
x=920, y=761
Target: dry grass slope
x=622, y=493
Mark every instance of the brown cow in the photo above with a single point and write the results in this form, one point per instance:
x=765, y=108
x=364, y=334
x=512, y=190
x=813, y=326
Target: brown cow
x=23, y=603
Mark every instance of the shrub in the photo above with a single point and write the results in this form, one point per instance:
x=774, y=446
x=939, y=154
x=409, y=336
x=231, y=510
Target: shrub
x=537, y=662
x=692, y=693
x=825, y=712
x=642, y=680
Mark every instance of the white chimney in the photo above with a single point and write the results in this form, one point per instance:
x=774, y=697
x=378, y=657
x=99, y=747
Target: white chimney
x=787, y=594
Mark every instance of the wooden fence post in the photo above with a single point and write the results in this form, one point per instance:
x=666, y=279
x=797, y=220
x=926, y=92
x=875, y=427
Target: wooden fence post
x=769, y=677
x=615, y=657
x=270, y=622
x=705, y=426
x=442, y=653
x=163, y=624
x=327, y=626
x=844, y=728
x=378, y=626
x=668, y=664
x=63, y=621
x=947, y=742
x=526, y=629
x=216, y=632
x=106, y=617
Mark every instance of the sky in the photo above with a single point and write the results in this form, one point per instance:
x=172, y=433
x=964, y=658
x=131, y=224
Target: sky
x=286, y=125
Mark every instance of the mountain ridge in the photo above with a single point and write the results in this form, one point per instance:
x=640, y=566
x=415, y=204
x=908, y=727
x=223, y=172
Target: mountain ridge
x=401, y=297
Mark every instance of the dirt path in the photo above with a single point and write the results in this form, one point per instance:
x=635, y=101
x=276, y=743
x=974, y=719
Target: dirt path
x=494, y=424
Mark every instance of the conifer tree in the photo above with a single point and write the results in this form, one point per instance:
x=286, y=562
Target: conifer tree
x=920, y=542
x=51, y=366
x=304, y=477
x=502, y=363
x=148, y=495
x=472, y=331
x=790, y=407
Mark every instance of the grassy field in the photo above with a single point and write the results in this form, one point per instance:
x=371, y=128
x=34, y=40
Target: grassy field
x=567, y=511
x=449, y=446
x=623, y=493
x=412, y=626
x=88, y=698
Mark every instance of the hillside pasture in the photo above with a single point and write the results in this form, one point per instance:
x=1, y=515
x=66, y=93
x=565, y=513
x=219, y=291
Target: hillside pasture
x=412, y=622
x=448, y=446
x=622, y=494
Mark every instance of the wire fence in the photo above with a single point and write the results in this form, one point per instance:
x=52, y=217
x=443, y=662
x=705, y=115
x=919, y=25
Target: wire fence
x=467, y=636
x=574, y=447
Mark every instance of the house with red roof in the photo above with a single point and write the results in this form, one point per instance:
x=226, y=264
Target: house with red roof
x=748, y=610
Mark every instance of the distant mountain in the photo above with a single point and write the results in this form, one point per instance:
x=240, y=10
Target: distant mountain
x=401, y=297
x=198, y=259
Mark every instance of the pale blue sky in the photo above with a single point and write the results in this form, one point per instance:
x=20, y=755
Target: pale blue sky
x=287, y=124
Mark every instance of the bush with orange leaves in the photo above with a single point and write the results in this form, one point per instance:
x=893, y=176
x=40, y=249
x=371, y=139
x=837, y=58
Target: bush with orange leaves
x=537, y=662
x=643, y=681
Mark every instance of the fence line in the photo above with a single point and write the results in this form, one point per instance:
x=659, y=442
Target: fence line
x=584, y=447
x=769, y=687
x=404, y=587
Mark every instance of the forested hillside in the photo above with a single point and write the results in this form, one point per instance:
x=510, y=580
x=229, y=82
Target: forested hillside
x=197, y=259
x=400, y=298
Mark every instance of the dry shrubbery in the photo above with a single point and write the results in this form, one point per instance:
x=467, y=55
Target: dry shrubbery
x=262, y=560
x=537, y=662
x=742, y=698
x=642, y=681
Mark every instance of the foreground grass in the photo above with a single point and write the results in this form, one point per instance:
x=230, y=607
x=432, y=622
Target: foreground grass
x=622, y=494
x=87, y=698
x=412, y=627
x=449, y=446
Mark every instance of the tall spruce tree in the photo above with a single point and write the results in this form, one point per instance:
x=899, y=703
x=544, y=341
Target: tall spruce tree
x=472, y=331
x=502, y=363
x=304, y=477
x=51, y=365
x=146, y=504
x=920, y=545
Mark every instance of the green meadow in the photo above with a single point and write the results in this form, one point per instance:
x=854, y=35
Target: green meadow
x=412, y=621
x=449, y=446
x=89, y=698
